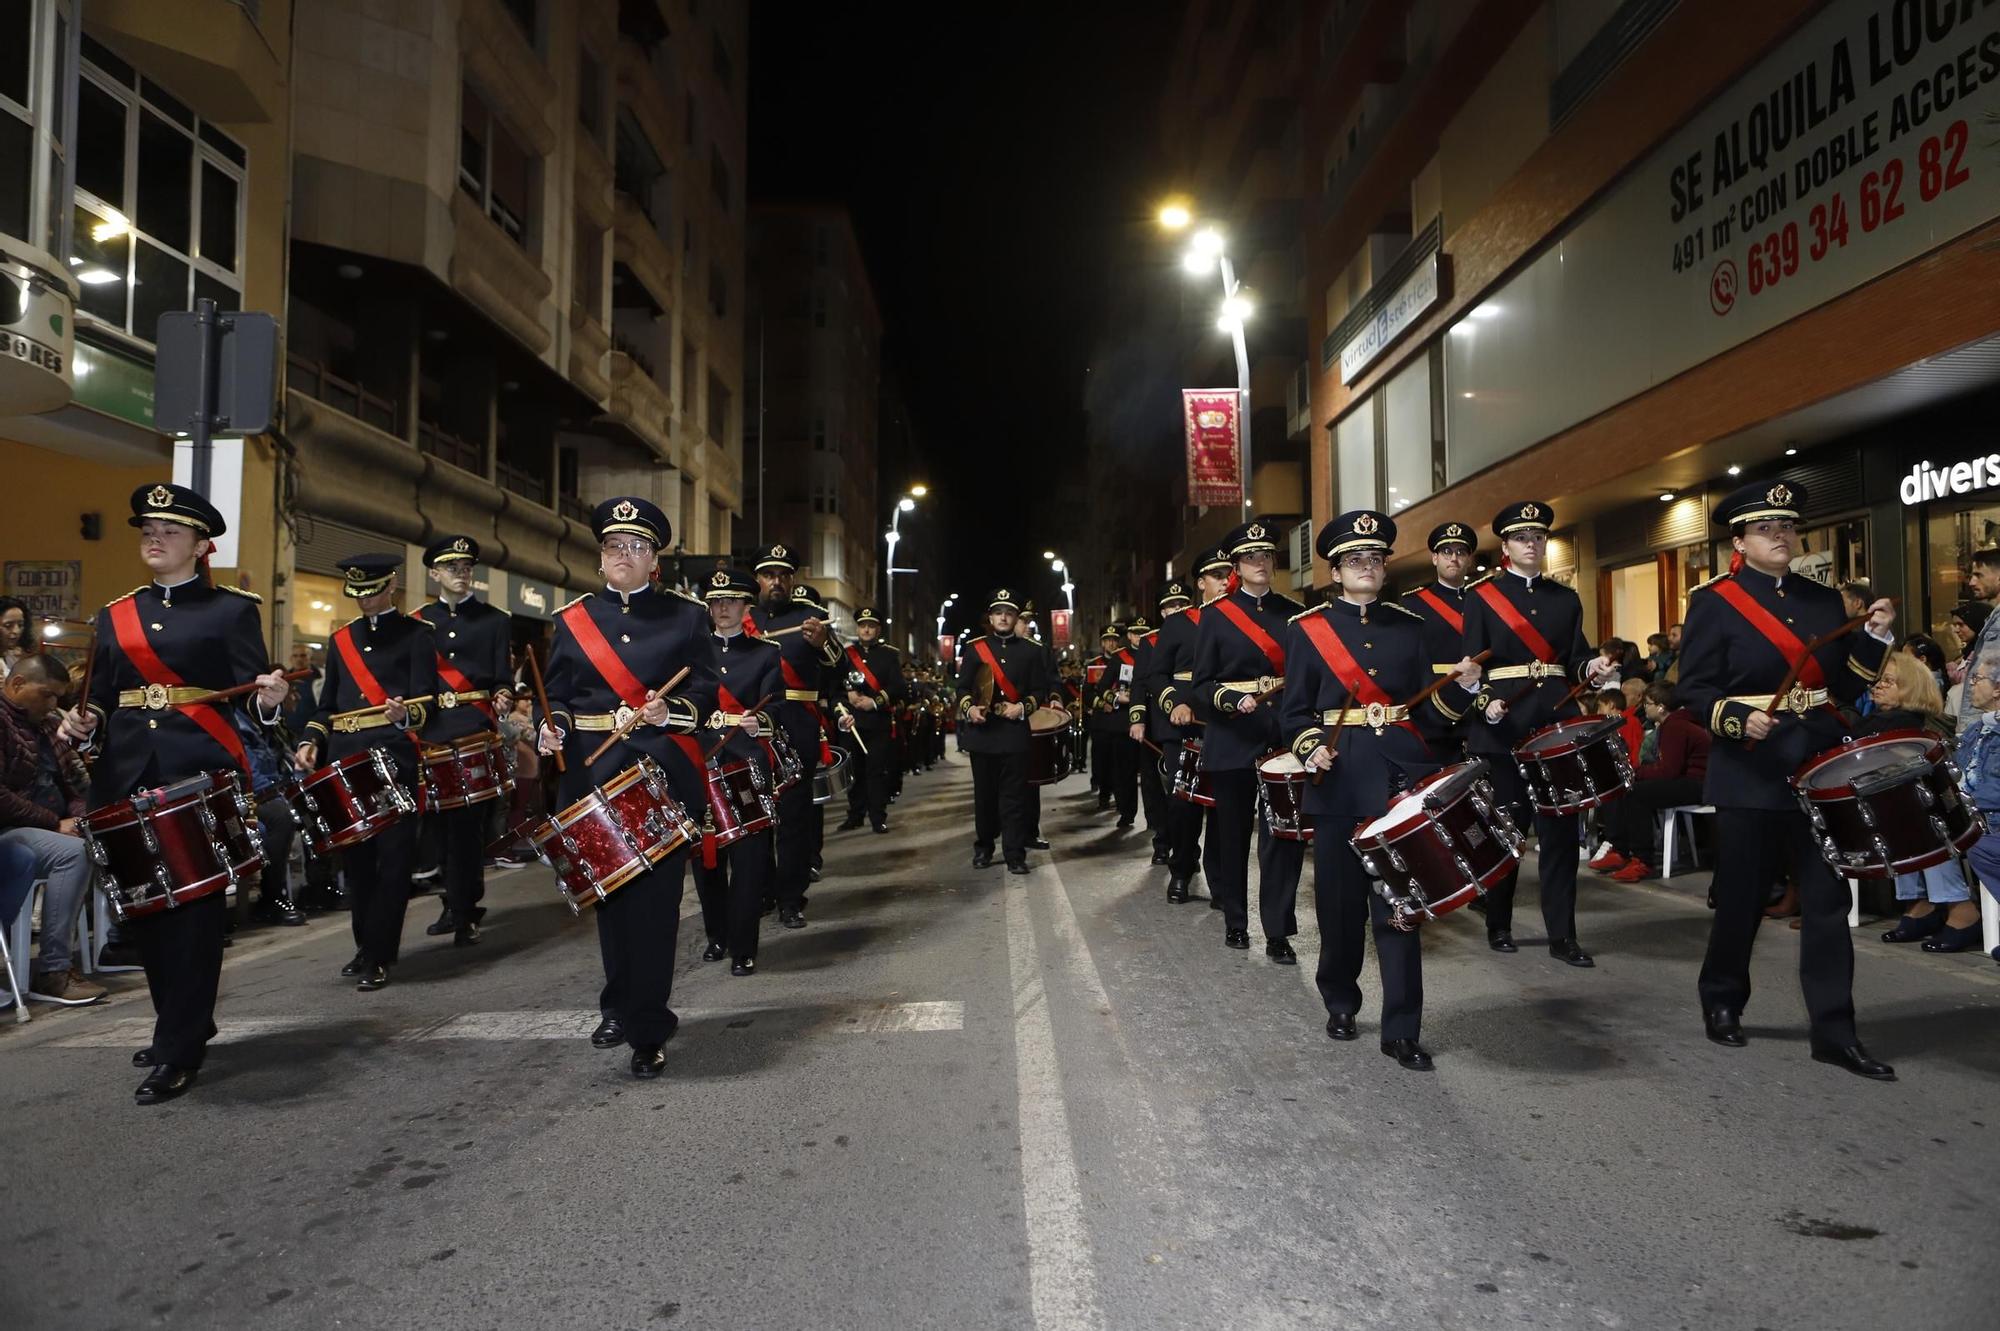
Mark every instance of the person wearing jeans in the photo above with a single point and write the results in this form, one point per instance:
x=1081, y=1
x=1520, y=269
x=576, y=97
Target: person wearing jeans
x=39, y=810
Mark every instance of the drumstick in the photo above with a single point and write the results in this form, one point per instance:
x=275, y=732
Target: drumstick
x=542, y=697
x=757, y=706
x=1792, y=674
x=220, y=695
x=854, y=731
x=633, y=720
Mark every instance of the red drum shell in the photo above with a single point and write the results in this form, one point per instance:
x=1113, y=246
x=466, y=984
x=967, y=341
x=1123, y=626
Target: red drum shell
x=157, y=849
x=1575, y=765
x=347, y=802
x=1885, y=805
x=1188, y=780
x=740, y=803
x=612, y=835
x=1437, y=848
x=466, y=771
x=1281, y=793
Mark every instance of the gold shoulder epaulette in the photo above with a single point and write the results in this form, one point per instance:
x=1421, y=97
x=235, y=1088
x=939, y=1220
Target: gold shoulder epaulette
x=969, y=641
x=1484, y=577
x=1700, y=586
x=1400, y=608
x=693, y=600
x=128, y=595
x=567, y=604
x=238, y=591
x=1310, y=610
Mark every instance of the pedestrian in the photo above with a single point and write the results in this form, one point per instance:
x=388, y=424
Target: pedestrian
x=13, y=632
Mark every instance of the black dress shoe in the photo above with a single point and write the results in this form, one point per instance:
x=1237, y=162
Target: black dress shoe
x=465, y=935
x=648, y=1062
x=446, y=923
x=1952, y=938
x=1566, y=951
x=1038, y=843
x=982, y=859
x=714, y=951
x=1281, y=952
x=881, y=829
x=1724, y=1026
x=1124, y=824
x=792, y=919
x=851, y=822
x=278, y=909
x=1237, y=938
x=1856, y=1060
x=373, y=978
x=354, y=967
x=1500, y=941
x=1177, y=891
x=163, y=1083
x=1213, y=904
x=1409, y=1055
x=610, y=1033
x=1340, y=1026
x=1159, y=857
x=743, y=966
x=143, y=1058
x=812, y=874
x=1016, y=867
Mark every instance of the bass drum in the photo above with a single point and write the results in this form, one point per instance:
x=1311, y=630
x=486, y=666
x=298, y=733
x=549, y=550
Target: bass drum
x=1048, y=746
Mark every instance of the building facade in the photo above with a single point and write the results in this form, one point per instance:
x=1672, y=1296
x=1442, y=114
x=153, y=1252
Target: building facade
x=815, y=352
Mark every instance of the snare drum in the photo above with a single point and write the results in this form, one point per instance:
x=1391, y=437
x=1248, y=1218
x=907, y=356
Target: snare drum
x=1885, y=805
x=740, y=801
x=465, y=771
x=1048, y=735
x=784, y=758
x=1187, y=779
x=1443, y=843
x=1281, y=792
x=612, y=835
x=345, y=803
x=831, y=780
x=1576, y=764
x=164, y=847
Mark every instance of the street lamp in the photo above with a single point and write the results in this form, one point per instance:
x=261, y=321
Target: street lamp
x=1206, y=250
x=906, y=504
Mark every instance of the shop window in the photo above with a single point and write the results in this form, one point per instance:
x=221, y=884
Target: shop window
x=159, y=205
x=1951, y=536
x=318, y=608
x=1635, y=602
x=1408, y=434
x=1354, y=449
x=17, y=164
x=1834, y=553
x=493, y=167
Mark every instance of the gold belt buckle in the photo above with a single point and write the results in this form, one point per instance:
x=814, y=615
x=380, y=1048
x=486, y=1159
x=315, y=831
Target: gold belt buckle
x=1798, y=699
x=1377, y=715
x=447, y=699
x=156, y=697
x=1538, y=670
x=622, y=718
x=1265, y=683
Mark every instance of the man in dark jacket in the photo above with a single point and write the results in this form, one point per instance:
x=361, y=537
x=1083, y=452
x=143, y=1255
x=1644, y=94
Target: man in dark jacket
x=38, y=814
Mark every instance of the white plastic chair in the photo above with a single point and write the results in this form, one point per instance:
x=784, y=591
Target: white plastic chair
x=1675, y=818
x=16, y=987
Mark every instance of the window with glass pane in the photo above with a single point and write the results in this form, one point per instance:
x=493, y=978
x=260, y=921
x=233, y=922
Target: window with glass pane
x=218, y=216
x=17, y=165
x=1408, y=430
x=159, y=284
x=473, y=123
x=17, y=21
x=1354, y=449
x=104, y=247
x=512, y=173
x=100, y=143
x=166, y=179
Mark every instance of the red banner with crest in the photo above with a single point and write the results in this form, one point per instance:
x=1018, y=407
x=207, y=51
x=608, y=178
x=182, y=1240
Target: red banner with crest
x=1214, y=421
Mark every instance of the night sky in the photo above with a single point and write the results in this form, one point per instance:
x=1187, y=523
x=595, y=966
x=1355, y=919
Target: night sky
x=997, y=161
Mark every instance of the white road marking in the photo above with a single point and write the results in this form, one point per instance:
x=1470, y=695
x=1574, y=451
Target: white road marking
x=139, y=1030
x=1062, y=1277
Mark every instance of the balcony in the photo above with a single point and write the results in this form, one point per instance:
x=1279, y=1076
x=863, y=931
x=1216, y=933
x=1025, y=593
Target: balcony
x=639, y=91
x=640, y=405
x=1387, y=110
x=510, y=75
x=323, y=385
x=637, y=244
x=516, y=480
x=588, y=343
x=497, y=275
x=1422, y=245
x=448, y=447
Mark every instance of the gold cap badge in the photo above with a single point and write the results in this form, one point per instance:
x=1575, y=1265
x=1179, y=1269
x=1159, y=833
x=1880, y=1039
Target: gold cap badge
x=1366, y=525
x=721, y=579
x=625, y=511
x=160, y=497
x=1778, y=494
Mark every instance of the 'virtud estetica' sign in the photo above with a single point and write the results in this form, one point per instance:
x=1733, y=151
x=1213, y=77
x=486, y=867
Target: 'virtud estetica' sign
x=1930, y=480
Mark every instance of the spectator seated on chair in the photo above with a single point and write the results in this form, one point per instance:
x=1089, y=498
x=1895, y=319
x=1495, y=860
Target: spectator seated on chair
x=1671, y=778
x=39, y=808
x=1941, y=909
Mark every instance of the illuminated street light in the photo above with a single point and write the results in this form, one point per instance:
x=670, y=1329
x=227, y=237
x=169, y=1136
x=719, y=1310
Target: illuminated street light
x=1174, y=215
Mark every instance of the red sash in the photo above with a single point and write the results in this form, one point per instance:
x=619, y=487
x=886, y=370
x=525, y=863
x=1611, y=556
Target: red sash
x=1007, y=688
x=364, y=678
x=1788, y=643
x=1254, y=631
x=861, y=664
x=1529, y=635
x=1125, y=655
x=1361, y=686
x=794, y=681
x=455, y=679
x=615, y=672
x=1194, y=613
x=1450, y=616
x=139, y=651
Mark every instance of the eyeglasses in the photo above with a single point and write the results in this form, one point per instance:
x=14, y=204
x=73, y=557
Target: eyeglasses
x=626, y=547
x=1363, y=561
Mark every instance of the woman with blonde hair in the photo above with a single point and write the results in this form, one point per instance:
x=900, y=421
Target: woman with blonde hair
x=1941, y=910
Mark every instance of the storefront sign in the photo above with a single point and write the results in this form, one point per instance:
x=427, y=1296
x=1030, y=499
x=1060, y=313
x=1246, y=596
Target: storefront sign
x=1214, y=456
x=534, y=599
x=35, y=333
x=114, y=384
x=1411, y=302
x=1932, y=480
x=1859, y=144
x=51, y=588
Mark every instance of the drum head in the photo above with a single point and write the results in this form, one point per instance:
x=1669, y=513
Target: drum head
x=1566, y=735
x=1408, y=805
x=1282, y=763
x=839, y=761
x=1047, y=718
x=1880, y=760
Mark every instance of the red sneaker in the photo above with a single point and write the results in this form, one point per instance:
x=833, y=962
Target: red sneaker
x=1633, y=871
x=1608, y=861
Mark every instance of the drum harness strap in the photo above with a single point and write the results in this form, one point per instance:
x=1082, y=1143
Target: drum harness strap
x=1000, y=680
x=1544, y=665
x=371, y=689
x=139, y=651
x=1455, y=618
x=463, y=690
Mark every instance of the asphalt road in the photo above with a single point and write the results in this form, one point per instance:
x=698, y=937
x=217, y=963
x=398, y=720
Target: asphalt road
x=964, y=1100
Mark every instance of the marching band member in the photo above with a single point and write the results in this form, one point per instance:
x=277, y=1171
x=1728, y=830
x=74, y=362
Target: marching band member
x=874, y=686
x=175, y=638
x=475, y=677
x=1239, y=666
x=1745, y=630
x=378, y=665
x=1170, y=679
x=733, y=887
x=1015, y=673
x=1534, y=629
x=1139, y=636
x=1100, y=721
x=1348, y=662
x=610, y=657
x=1441, y=605
x=806, y=654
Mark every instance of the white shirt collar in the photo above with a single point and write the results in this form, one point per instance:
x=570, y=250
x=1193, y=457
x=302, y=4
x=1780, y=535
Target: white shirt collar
x=174, y=586
x=1528, y=578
